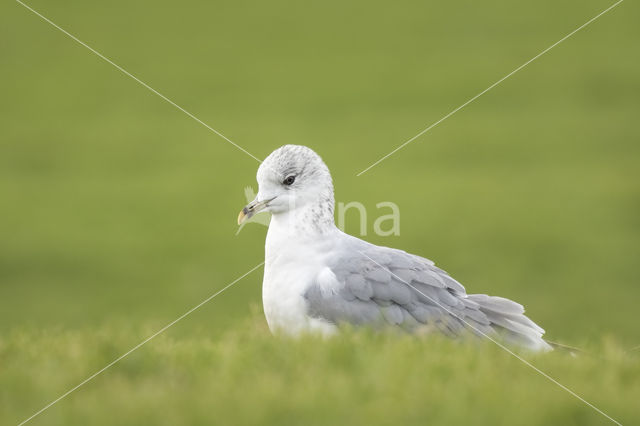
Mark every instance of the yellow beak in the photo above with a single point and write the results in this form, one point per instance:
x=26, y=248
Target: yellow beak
x=251, y=209
x=243, y=216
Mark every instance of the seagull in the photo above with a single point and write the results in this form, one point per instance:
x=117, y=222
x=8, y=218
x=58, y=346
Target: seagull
x=317, y=278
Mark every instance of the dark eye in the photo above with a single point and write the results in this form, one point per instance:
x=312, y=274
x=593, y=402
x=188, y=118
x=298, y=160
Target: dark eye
x=289, y=180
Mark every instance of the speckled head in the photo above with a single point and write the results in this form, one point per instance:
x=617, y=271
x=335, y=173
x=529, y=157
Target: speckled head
x=293, y=177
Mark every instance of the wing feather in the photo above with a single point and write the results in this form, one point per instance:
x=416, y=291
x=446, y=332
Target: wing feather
x=380, y=286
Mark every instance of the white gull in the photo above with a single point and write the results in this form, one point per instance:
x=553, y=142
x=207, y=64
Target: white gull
x=317, y=277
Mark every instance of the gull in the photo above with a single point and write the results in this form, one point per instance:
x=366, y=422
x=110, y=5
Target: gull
x=317, y=277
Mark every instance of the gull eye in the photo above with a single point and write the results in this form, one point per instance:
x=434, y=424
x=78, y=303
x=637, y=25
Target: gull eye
x=289, y=180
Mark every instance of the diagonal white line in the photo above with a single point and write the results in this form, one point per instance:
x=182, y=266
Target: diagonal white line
x=138, y=345
x=127, y=73
x=497, y=343
x=491, y=87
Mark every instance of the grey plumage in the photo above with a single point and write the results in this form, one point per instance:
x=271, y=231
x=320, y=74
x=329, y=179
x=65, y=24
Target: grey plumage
x=384, y=287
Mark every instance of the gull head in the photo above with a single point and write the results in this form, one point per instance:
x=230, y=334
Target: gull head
x=292, y=178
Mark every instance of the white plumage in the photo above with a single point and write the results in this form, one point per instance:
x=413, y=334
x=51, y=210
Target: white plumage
x=317, y=277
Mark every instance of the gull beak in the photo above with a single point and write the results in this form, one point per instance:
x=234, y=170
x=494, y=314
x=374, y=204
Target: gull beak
x=251, y=209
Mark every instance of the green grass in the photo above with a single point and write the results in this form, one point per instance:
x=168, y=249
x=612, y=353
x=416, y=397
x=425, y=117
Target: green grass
x=248, y=377
x=118, y=211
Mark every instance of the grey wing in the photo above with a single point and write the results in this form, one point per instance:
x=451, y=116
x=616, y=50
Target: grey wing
x=380, y=286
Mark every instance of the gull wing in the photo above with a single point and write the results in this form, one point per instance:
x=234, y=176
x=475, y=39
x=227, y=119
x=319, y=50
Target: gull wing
x=364, y=284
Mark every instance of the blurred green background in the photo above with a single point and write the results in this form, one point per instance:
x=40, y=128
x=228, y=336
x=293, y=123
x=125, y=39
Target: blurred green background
x=119, y=209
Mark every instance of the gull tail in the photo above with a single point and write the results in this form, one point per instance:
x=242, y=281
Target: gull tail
x=508, y=320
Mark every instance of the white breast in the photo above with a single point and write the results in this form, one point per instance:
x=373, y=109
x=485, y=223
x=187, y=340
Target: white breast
x=290, y=268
